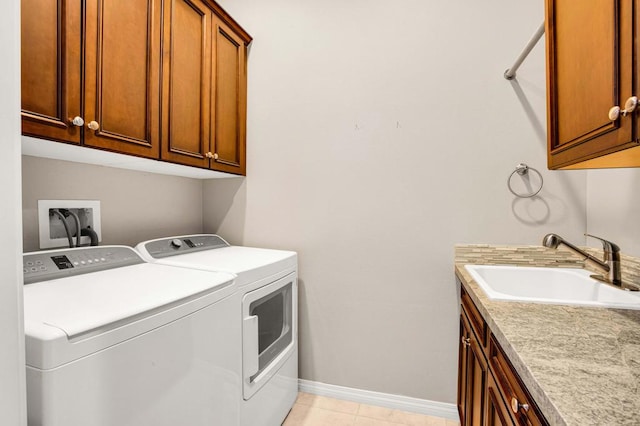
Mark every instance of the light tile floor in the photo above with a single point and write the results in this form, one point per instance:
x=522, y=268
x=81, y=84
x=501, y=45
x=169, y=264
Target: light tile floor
x=314, y=410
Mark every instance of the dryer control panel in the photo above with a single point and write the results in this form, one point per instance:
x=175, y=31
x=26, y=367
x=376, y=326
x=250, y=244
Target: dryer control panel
x=185, y=244
x=52, y=264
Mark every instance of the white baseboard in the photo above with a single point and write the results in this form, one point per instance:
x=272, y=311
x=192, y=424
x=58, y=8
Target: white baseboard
x=396, y=402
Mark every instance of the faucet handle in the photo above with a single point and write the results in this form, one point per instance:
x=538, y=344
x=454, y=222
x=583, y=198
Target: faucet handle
x=607, y=246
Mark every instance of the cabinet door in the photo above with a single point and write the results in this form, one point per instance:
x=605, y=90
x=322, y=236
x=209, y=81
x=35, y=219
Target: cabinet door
x=462, y=370
x=472, y=389
x=228, y=109
x=186, y=85
x=122, y=76
x=508, y=384
x=51, y=69
x=589, y=70
x=476, y=383
x=497, y=411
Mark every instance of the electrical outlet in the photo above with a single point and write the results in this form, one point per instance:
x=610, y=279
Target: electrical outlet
x=52, y=231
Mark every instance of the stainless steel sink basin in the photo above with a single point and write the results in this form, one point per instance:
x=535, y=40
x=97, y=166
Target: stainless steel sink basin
x=564, y=286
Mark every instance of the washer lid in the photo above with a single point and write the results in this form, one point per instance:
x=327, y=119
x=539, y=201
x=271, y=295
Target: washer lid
x=103, y=308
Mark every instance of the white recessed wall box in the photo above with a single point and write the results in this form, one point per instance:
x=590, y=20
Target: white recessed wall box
x=51, y=227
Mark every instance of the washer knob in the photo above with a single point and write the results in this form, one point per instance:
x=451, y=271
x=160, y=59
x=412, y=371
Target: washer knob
x=176, y=243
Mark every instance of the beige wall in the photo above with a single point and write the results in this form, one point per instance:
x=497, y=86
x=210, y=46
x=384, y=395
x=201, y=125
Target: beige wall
x=135, y=206
x=613, y=208
x=380, y=134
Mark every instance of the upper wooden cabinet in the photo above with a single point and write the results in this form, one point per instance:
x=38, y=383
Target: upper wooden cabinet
x=163, y=79
x=229, y=105
x=186, y=87
x=51, y=79
x=591, y=69
x=117, y=56
x=122, y=76
x=204, y=87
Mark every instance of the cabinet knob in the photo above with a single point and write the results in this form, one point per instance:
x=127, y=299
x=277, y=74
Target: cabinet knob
x=77, y=121
x=516, y=406
x=215, y=156
x=629, y=106
x=93, y=125
x=208, y=155
x=466, y=341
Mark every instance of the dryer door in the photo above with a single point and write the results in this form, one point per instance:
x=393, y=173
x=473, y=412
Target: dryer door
x=269, y=332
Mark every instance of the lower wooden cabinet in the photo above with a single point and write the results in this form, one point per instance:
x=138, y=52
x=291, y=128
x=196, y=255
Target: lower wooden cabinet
x=490, y=392
x=472, y=380
x=497, y=410
x=509, y=385
x=463, y=370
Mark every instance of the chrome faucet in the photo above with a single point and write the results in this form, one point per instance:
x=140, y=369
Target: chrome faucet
x=610, y=264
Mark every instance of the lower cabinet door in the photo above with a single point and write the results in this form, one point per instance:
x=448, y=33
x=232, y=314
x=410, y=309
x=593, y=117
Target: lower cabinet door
x=497, y=411
x=472, y=377
x=477, y=373
x=518, y=401
x=462, y=370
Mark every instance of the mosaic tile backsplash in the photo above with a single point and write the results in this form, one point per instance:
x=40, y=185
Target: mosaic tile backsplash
x=540, y=256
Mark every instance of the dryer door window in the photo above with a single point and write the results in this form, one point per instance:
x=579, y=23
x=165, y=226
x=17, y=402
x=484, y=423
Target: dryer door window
x=274, y=324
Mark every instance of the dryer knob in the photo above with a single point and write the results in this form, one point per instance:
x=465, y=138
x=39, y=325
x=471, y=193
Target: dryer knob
x=176, y=243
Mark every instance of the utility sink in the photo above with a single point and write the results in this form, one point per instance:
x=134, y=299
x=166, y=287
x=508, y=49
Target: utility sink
x=564, y=286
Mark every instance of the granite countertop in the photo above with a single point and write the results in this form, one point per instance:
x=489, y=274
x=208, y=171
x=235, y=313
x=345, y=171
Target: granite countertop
x=581, y=365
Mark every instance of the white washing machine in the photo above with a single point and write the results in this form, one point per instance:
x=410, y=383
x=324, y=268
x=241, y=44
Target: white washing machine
x=267, y=313
x=113, y=340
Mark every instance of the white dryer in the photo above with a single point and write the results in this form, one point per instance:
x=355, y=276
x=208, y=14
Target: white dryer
x=113, y=340
x=267, y=313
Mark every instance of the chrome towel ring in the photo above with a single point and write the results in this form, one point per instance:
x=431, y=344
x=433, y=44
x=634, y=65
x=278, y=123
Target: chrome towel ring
x=522, y=170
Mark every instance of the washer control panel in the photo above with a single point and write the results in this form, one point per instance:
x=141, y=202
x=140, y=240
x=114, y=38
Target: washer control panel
x=181, y=245
x=52, y=264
